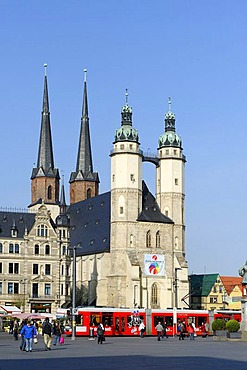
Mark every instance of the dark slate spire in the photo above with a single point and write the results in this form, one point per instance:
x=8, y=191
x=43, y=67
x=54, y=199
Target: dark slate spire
x=63, y=206
x=45, y=162
x=84, y=164
x=45, y=155
x=84, y=157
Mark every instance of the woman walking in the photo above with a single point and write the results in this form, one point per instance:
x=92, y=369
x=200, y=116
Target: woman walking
x=56, y=331
x=29, y=332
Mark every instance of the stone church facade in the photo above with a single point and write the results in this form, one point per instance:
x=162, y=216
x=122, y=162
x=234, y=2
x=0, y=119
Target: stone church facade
x=130, y=245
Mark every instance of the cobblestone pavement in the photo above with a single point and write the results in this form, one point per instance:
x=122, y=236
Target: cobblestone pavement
x=125, y=353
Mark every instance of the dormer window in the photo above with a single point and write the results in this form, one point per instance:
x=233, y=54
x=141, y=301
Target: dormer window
x=14, y=233
x=42, y=230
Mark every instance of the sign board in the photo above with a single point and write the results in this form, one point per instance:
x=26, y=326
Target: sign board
x=154, y=264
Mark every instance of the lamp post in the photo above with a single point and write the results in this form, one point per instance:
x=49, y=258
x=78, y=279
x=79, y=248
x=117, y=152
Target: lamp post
x=74, y=294
x=176, y=285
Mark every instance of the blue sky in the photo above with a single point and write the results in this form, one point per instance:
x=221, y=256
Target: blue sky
x=193, y=51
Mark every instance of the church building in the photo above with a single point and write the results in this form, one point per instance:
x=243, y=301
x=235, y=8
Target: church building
x=129, y=243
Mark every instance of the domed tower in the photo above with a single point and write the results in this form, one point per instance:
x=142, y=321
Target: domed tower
x=126, y=170
x=170, y=178
x=126, y=203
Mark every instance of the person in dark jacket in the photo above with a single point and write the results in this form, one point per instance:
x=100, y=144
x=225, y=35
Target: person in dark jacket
x=47, y=333
x=56, y=331
x=29, y=332
x=23, y=342
x=100, y=333
x=15, y=330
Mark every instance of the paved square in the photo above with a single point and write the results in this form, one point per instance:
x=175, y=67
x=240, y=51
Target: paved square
x=125, y=353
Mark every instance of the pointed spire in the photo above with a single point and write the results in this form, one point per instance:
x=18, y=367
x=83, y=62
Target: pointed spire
x=63, y=205
x=45, y=155
x=84, y=157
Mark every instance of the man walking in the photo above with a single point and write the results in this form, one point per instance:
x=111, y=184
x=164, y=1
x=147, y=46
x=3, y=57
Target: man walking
x=159, y=329
x=46, y=332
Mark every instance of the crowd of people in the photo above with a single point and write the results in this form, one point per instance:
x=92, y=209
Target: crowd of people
x=28, y=331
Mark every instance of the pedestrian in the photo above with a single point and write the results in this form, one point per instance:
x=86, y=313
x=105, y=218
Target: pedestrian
x=182, y=330
x=15, y=330
x=204, y=331
x=11, y=326
x=191, y=331
x=159, y=329
x=56, y=331
x=142, y=329
x=23, y=342
x=100, y=333
x=164, y=334
x=29, y=332
x=47, y=333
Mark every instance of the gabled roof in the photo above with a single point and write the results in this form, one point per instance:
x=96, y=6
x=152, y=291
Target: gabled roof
x=90, y=225
x=201, y=285
x=230, y=282
x=22, y=221
x=150, y=209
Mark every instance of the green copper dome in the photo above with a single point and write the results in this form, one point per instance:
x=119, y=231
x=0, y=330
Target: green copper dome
x=170, y=137
x=126, y=132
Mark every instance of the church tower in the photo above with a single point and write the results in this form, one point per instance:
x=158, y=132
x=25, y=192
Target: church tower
x=45, y=178
x=170, y=192
x=84, y=183
x=126, y=203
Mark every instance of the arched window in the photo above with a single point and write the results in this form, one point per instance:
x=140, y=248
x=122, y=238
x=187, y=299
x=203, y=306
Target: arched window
x=158, y=239
x=131, y=240
x=47, y=249
x=49, y=192
x=89, y=193
x=148, y=239
x=154, y=295
x=36, y=249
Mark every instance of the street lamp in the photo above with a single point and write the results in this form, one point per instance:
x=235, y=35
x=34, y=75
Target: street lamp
x=74, y=311
x=176, y=286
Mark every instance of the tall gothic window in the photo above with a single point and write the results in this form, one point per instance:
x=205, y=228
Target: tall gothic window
x=154, y=295
x=49, y=192
x=89, y=193
x=148, y=239
x=158, y=239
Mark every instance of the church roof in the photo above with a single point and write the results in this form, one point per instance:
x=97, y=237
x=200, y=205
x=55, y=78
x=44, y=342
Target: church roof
x=150, y=209
x=90, y=225
x=22, y=221
x=201, y=285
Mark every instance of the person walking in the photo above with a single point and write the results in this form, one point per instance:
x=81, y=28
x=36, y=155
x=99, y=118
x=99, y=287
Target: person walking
x=29, y=332
x=47, y=333
x=100, y=333
x=159, y=329
x=23, y=342
x=182, y=330
x=191, y=331
x=15, y=330
x=142, y=329
x=57, y=332
x=164, y=334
